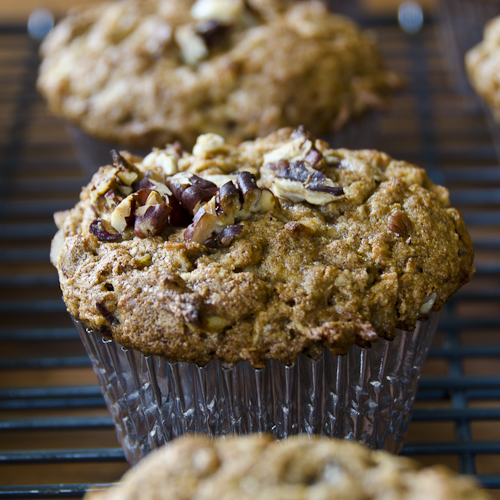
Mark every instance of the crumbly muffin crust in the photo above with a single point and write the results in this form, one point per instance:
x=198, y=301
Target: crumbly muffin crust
x=297, y=468
x=329, y=248
x=483, y=66
x=148, y=72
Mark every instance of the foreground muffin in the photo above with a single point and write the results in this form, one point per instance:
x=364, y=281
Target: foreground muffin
x=483, y=65
x=298, y=468
x=290, y=247
x=261, y=256
x=147, y=72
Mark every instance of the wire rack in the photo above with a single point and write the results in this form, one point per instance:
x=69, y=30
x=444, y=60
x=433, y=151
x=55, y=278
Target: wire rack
x=56, y=438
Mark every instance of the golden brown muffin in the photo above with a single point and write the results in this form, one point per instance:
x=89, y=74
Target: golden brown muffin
x=483, y=67
x=257, y=251
x=298, y=468
x=147, y=72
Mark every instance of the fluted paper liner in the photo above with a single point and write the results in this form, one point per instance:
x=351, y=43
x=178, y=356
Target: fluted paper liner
x=365, y=395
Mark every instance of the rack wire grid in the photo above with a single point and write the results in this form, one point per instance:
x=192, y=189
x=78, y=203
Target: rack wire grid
x=56, y=437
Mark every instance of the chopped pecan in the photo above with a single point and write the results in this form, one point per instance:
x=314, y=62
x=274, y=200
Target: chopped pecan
x=120, y=161
x=247, y=183
x=192, y=46
x=98, y=229
x=152, y=221
x=191, y=191
x=399, y=223
x=206, y=223
x=315, y=158
x=428, y=304
x=228, y=199
x=121, y=215
x=212, y=31
x=232, y=203
x=298, y=181
x=107, y=315
x=224, y=11
x=179, y=216
x=226, y=237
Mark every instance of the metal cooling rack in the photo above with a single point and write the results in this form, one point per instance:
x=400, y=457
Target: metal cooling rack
x=56, y=438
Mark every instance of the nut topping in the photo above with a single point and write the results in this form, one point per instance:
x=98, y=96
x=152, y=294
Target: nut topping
x=192, y=191
x=193, y=47
x=120, y=162
x=166, y=159
x=315, y=158
x=122, y=213
x=428, y=303
x=247, y=183
x=225, y=11
x=208, y=143
x=212, y=31
x=225, y=238
x=298, y=181
x=206, y=223
x=399, y=223
x=98, y=229
x=153, y=221
x=229, y=198
x=231, y=204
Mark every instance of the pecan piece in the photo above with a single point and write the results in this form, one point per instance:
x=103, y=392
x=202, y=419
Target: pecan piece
x=212, y=31
x=315, y=158
x=228, y=200
x=101, y=233
x=399, y=223
x=152, y=221
x=428, y=304
x=232, y=203
x=122, y=215
x=110, y=317
x=299, y=181
x=226, y=237
x=205, y=223
x=192, y=191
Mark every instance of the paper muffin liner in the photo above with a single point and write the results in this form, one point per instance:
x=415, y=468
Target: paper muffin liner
x=366, y=395
x=461, y=25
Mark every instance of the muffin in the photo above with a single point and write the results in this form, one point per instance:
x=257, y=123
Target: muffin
x=217, y=291
x=297, y=468
x=461, y=27
x=483, y=63
x=144, y=73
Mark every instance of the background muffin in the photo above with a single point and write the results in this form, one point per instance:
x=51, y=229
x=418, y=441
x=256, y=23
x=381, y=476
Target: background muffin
x=293, y=254
x=461, y=28
x=483, y=65
x=144, y=73
x=296, y=468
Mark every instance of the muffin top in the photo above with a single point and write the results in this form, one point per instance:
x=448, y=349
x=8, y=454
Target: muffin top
x=148, y=72
x=297, y=468
x=483, y=66
x=263, y=250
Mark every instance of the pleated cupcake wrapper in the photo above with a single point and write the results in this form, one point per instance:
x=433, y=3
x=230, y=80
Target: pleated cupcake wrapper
x=366, y=395
x=461, y=25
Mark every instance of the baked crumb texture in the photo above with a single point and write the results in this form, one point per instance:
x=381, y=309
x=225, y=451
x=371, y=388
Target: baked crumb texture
x=257, y=251
x=148, y=72
x=483, y=66
x=298, y=468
